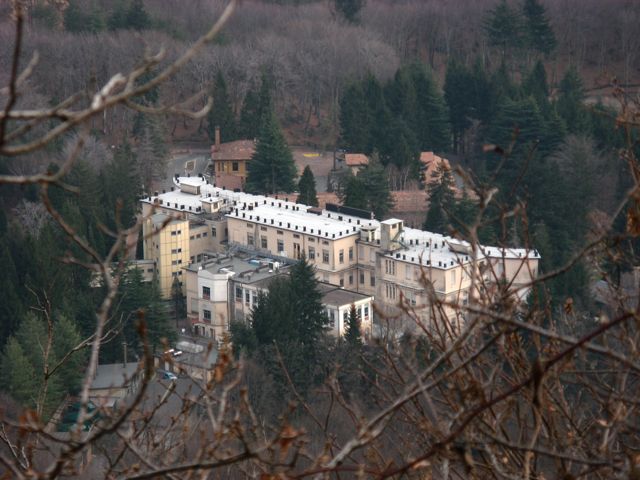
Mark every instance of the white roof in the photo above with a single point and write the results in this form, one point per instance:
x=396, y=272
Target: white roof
x=416, y=246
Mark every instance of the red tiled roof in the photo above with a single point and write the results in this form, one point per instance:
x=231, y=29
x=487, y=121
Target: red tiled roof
x=238, y=150
x=355, y=159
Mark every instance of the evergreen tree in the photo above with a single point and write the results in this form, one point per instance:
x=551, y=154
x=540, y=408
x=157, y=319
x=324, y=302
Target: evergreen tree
x=432, y=118
x=376, y=188
x=75, y=20
x=349, y=9
x=159, y=327
x=250, y=116
x=271, y=168
x=118, y=18
x=502, y=27
x=458, y=93
x=353, y=335
x=221, y=114
x=570, y=105
x=122, y=187
x=355, y=122
x=441, y=200
x=539, y=34
x=379, y=116
x=137, y=16
x=354, y=193
x=311, y=318
x=307, y=188
x=23, y=363
x=11, y=307
x=18, y=374
x=178, y=301
x=536, y=85
x=482, y=95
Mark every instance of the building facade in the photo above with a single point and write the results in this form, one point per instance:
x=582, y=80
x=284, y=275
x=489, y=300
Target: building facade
x=405, y=269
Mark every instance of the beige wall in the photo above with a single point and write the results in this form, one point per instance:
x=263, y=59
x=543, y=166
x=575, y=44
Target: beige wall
x=334, y=259
x=169, y=248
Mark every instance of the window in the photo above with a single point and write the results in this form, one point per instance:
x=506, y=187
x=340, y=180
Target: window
x=350, y=254
x=312, y=253
x=345, y=316
x=198, y=236
x=311, y=240
x=249, y=225
x=279, y=232
x=332, y=319
x=390, y=289
x=174, y=233
x=263, y=241
x=341, y=256
x=295, y=235
x=247, y=297
x=235, y=167
x=366, y=311
x=280, y=245
x=254, y=298
x=206, y=314
x=350, y=278
x=192, y=259
x=174, y=250
x=239, y=294
x=372, y=280
x=213, y=232
x=206, y=293
x=250, y=239
x=362, y=278
x=325, y=242
x=179, y=232
x=325, y=256
x=342, y=281
x=204, y=234
x=390, y=267
x=174, y=262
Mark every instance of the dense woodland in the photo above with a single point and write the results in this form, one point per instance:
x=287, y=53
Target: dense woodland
x=517, y=94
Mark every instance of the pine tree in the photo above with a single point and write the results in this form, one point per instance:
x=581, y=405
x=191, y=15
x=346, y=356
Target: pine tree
x=539, y=34
x=570, y=102
x=441, y=200
x=221, y=114
x=458, y=92
x=355, y=122
x=11, y=307
x=178, y=301
x=536, y=85
x=379, y=116
x=75, y=20
x=349, y=9
x=118, y=18
x=376, y=187
x=307, y=188
x=311, y=318
x=271, y=168
x=432, y=128
x=502, y=27
x=137, y=16
x=353, y=335
x=353, y=193
x=250, y=116
x=18, y=374
x=482, y=95
x=121, y=186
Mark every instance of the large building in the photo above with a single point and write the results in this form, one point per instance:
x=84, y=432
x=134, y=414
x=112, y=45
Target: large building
x=381, y=259
x=225, y=288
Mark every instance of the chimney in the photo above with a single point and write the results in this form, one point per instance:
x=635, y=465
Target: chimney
x=217, y=139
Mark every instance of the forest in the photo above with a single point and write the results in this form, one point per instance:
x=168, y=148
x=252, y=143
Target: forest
x=533, y=102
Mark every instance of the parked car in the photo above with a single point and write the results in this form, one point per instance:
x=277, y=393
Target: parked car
x=168, y=376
